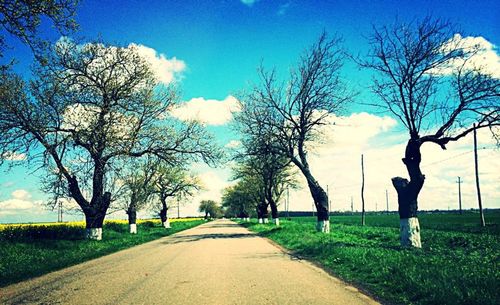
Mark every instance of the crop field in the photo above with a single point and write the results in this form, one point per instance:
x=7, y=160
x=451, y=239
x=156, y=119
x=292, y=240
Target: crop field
x=458, y=264
x=28, y=250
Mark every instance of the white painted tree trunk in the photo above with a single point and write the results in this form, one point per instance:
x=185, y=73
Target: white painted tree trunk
x=409, y=230
x=261, y=220
x=94, y=233
x=166, y=224
x=247, y=219
x=323, y=226
x=276, y=221
x=133, y=228
x=266, y=220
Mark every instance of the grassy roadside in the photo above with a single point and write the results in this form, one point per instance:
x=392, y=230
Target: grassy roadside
x=458, y=264
x=36, y=250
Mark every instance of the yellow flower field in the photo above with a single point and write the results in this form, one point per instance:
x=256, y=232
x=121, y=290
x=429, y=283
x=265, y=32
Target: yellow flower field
x=81, y=224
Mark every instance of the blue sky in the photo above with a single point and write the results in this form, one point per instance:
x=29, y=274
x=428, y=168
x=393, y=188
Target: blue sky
x=222, y=43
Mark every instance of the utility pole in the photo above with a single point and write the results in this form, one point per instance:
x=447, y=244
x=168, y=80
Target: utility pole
x=387, y=201
x=459, y=196
x=362, y=192
x=59, y=212
x=328, y=196
x=352, y=206
x=287, y=202
x=481, y=215
x=178, y=209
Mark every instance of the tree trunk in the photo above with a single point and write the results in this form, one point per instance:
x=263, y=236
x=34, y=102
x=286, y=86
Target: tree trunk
x=319, y=195
x=262, y=212
x=164, y=215
x=132, y=219
x=274, y=211
x=321, y=203
x=408, y=192
x=94, y=216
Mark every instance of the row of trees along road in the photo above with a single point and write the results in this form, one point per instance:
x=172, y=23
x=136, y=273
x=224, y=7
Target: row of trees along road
x=150, y=183
x=291, y=113
x=263, y=174
x=88, y=108
x=210, y=208
x=427, y=76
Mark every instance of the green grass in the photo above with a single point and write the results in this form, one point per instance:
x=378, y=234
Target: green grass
x=29, y=253
x=458, y=264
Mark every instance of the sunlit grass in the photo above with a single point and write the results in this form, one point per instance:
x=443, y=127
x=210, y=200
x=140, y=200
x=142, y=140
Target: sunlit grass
x=458, y=264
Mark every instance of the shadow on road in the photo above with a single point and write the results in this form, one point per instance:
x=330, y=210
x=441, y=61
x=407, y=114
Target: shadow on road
x=192, y=238
x=222, y=225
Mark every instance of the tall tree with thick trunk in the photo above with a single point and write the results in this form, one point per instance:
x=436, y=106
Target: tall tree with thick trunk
x=434, y=81
x=294, y=111
x=91, y=105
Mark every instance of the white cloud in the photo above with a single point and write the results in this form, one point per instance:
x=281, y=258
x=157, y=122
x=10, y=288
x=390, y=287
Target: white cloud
x=81, y=117
x=233, y=144
x=485, y=55
x=249, y=2
x=20, y=194
x=213, y=180
x=13, y=156
x=337, y=163
x=354, y=130
x=165, y=69
x=207, y=111
x=18, y=203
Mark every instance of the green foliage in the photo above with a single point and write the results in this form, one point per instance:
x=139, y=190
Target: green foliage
x=240, y=200
x=210, y=207
x=32, y=251
x=458, y=264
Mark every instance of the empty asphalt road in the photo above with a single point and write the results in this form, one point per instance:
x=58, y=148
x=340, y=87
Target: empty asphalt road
x=216, y=263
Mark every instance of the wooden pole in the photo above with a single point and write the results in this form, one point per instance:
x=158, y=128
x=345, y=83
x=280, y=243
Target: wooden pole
x=362, y=192
x=387, y=201
x=287, y=203
x=328, y=196
x=459, y=196
x=481, y=215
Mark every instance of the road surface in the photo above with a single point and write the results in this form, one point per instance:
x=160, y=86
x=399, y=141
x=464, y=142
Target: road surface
x=216, y=263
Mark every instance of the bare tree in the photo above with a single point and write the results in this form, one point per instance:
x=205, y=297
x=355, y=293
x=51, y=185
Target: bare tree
x=101, y=103
x=172, y=182
x=294, y=111
x=258, y=161
x=430, y=78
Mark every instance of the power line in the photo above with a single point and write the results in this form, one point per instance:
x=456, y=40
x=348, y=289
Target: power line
x=455, y=156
